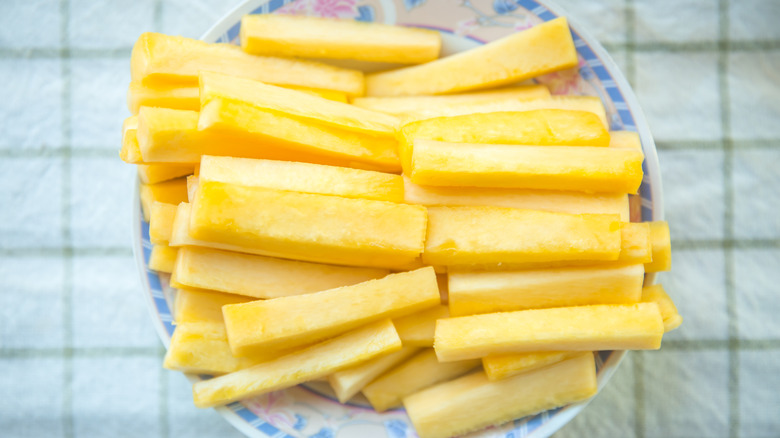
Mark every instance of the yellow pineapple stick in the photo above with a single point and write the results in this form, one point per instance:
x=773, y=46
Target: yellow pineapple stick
x=314, y=37
x=402, y=105
x=591, y=104
x=262, y=133
x=311, y=363
x=161, y=222
x=419, y=372
x=295, y=104
x=162, y=258
x=625, y=140
x=174, y=96
x=130, y=152
x=180, y=235
x=506, y=365
x=263, y=277
x=538, y=127
x=303, y=177
x=545, y=48
x=635, y=247
x=657, y=294
x=571, y=168
x=154, y=173
x=309, y=227
x=283, y=323
x=187, y=97
x=202, y=348
x=585, y=328
x=545, y=200
x=192, y=187
x=348, y=382
x=237, y=129
x=164, y=59
x=473, y=402
x=662, y=247
x=169, y=192
x=418, y=328
x=473, y=293
x=202, y=306
x=510, y=235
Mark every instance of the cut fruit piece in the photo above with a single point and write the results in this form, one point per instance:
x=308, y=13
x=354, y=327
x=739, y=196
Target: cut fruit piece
x=273, y=135
x=657, y=294
x=162, y=131
x=402, y=105
x=311, y=363
x=155, y=173
x=662, y=247
x=168, y=192
x=180, y=236
x=303, y=177
x=172, y=136
x=159, y=58
x=187, y=97
x=538, y=127
x=317, y=228
x=263, y=277
x=572, y=168
x=513, y=235
x=591, y=104
x=473, y=402
x=419, y=372
x=286, y=322
x=348, y=382
x=201, y=306
x=162, y=258
x=174, y=96
x=489, y=292
x=625, y=140
x=192, y=187
x=202, y=348
x=418, y=328
x=634, y=248
x=542, y=49
x=130, y=152
x=314, y=37
x=585, y=328
x=544, y=200
x=129, y=123
x=303, y=106
x=161, y=222
x=508, y=365
x=635, y=244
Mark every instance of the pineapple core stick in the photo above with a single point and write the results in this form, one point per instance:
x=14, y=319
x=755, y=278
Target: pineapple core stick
x=487, y=292
x=311, y=363
x=585, y=328
x=348, y=382
x=419, y=372
x=300, y=320
x=473, y=402
x=513, y=235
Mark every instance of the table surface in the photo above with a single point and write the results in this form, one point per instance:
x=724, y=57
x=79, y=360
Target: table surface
x=707, y=75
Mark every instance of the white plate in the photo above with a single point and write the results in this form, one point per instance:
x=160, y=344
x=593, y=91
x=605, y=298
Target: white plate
x=311, y=410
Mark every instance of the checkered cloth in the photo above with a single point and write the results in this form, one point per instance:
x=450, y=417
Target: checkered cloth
x=706, y=74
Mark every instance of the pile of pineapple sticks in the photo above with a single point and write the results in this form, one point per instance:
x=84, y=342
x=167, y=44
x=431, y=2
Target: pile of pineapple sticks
x=300, y=253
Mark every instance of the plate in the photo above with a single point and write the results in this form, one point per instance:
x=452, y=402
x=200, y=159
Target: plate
x=311, y=410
